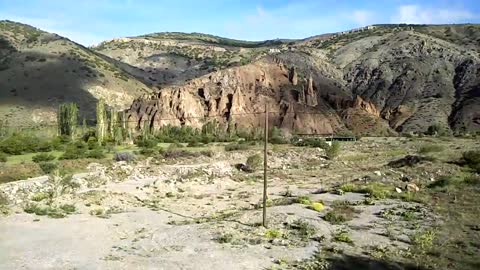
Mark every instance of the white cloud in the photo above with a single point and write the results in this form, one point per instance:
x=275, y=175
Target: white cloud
x=363, y=17
x=416, y=14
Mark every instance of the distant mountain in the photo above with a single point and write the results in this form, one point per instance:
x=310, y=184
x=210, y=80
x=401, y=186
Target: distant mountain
x=406, y=77
x=380, y=79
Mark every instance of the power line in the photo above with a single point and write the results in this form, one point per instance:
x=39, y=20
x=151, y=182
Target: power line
x=54, y=124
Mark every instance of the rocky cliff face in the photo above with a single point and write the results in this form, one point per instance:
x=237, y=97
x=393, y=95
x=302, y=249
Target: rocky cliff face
x=391, y=80
x=236, y=97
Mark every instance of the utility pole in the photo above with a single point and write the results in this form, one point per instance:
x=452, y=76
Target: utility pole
x=264, y=223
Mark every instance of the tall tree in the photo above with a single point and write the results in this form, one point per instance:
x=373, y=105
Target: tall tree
x=67, y=118
x=101, y=121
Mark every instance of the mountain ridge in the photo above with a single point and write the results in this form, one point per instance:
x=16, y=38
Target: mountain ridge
x=412, y=76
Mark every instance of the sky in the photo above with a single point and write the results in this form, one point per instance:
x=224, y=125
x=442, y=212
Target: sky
x=89, y=22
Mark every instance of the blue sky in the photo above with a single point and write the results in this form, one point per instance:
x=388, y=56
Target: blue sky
x=90, y=21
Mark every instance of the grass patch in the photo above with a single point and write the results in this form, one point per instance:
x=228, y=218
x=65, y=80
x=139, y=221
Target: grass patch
x=340, y=213
x=273, y=233
x=225, y=238
x=431, y=148
x=236, y=147
x=49, y=211
x=303, y=229
x=343, y=237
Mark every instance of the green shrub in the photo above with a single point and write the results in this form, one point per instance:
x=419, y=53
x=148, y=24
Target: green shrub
x=96, y=154
x=45, y=146
x=194, y=143
x=254, y=161
x=148, y=152
x=273, y=233
x=472, y=179
x=75, y=150
x=40, y=196
x=276, y=136
x=438, y=130
x=92, y=143
x=442, y=182
x=68, y=208
x=146, y=143
x=342, y=236
x=3, y=157
x=431, y=149
x=304, y=200
x=472, y=158
x=333, y=151
x=43, y=157
x=20, y=143
x=48, y=167
x=236, y=147
x=303, y=229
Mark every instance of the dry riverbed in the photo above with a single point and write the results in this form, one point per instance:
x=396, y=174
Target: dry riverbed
x=355, y=212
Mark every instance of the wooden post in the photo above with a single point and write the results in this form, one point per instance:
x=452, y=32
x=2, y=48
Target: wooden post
x=264, y=222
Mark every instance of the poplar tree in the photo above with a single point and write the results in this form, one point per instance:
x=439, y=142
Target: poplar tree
x=101, y=121
x=67, y=118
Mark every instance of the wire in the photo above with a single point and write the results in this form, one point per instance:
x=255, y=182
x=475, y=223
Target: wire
x=54, y=124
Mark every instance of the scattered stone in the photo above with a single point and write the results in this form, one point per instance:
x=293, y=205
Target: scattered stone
x=412, y=187
x=398, y=190
x=406, y=161
x=405, y=179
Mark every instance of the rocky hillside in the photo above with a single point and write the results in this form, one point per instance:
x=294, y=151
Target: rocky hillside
x=379, y=79
x=173, y=58
x=39, y=70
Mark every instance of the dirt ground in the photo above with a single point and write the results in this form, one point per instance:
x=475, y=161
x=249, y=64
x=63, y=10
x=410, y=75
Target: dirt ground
x=354, y=212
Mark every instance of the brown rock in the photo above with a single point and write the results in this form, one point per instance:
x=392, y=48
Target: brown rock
x=311, y=95
x=293, y=76
x=412, y=187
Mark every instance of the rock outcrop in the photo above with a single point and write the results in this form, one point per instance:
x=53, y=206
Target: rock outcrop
x=311, y=95
x=236, y=98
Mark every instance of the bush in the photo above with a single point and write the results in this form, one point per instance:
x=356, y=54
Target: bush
x=75, y=151
x=48, y=167
x=236, y=147
x=43, y=157
x=124, y=156
x=148, y=152
x=92, y=143
x=96, y=154
x=438, y=130
x=276, y=136
x=3, y=157
x=194, y=143
x=20, y=143
x=472, y=157
x=146, y=143
x=431, y=149
x=333, y=151
x=254, y=162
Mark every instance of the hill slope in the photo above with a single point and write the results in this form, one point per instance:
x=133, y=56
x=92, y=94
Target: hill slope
x=379, y=79
x=39, y=70
x=406, y=77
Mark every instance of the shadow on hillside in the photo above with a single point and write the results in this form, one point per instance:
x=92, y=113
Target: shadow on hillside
x=33, y=80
